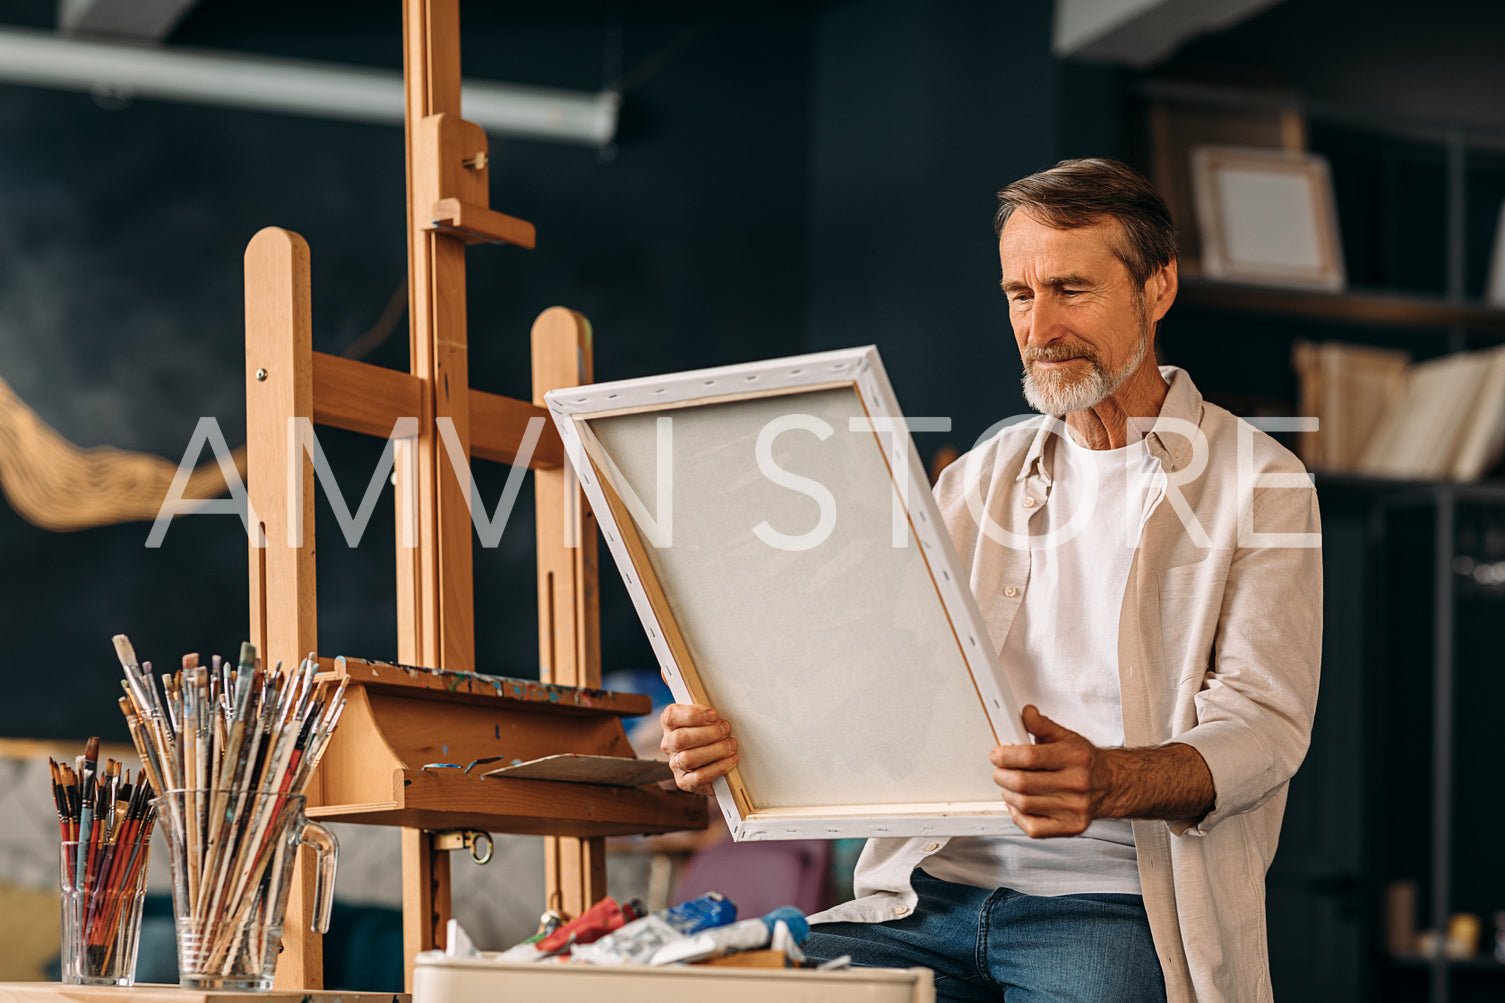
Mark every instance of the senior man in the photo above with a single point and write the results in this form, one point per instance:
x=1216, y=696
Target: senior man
x=1148, y=566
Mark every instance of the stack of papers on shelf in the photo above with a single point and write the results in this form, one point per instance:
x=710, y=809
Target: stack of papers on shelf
x=1483, y=442
x=1347, y=388
x=1379, y=414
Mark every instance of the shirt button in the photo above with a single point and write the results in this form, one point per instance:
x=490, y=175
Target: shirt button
x=903, y=910
x=1028, y=502
x=932, y=847
x=1011, y=592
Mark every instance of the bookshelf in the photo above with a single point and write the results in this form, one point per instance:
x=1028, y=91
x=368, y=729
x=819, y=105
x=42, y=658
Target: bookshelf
x=1409, y=663
x=1441, y=719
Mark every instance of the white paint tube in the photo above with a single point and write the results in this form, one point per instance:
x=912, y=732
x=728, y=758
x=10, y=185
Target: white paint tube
x=748, y=935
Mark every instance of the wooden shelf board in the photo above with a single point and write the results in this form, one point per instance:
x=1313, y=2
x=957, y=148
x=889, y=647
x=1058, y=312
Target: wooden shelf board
x=1420, y=491
x=528, y=807
x=475, y=687
x=1476, y=963
x=1355, y=307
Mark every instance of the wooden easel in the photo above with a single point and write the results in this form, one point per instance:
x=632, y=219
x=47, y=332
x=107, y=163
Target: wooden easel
x=374, y=769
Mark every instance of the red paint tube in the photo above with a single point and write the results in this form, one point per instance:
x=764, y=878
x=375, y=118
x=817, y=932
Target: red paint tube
x=593, y=924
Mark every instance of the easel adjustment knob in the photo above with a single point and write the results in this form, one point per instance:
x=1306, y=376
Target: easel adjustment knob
x=477, y=842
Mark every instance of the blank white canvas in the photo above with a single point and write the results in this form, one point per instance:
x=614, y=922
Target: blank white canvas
x=1268, y=219
x=784, y=639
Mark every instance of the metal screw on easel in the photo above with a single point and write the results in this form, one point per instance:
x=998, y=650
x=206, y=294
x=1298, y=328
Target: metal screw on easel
x=261, y=376
x=478, y=162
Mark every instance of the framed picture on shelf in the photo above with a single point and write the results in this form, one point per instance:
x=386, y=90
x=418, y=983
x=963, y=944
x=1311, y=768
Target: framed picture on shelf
x=1177, y=126
x=1267, y=217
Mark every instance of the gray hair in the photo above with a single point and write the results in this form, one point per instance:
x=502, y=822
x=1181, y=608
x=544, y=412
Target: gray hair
x=1077, y=193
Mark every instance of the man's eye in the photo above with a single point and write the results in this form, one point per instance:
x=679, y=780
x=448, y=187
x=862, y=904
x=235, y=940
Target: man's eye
x=1072, y=292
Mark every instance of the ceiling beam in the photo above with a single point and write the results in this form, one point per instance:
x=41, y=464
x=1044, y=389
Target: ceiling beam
x=145, y=20
x=1142, y=32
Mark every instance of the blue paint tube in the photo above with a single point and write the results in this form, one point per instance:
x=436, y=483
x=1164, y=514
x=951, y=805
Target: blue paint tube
x=748, y=935
x=636, y=942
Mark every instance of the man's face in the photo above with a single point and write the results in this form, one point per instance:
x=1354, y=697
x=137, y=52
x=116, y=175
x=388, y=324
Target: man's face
x=1080, y=323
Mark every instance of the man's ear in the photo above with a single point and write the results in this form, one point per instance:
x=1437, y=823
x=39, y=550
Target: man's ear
x=1160, y=290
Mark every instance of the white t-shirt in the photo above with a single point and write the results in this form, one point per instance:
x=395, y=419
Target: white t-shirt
x=1062, y=656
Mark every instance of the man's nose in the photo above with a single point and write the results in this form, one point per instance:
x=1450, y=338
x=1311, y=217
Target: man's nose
x=1046, y=323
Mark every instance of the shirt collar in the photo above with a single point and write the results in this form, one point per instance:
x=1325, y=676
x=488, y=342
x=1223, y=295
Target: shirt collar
x=1183, y=403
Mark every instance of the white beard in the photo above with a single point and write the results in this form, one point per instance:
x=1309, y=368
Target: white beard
x=1062, y=393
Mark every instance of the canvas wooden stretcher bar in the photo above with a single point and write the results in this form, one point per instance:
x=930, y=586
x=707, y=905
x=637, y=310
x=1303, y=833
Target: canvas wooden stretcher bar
x=776, y=531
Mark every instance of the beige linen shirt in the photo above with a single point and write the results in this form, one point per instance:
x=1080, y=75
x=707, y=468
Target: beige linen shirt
x=1219, y=646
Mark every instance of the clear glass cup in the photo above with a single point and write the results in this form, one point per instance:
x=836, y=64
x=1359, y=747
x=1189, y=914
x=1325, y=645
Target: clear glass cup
x=232, y=866
x=102, y=916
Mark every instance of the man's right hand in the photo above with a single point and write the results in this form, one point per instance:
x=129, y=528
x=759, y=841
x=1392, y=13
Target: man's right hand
x=700, y=746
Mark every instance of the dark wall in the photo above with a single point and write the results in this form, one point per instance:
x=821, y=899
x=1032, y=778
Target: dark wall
x=785, y=178
x=121, y=236
x=922, y=113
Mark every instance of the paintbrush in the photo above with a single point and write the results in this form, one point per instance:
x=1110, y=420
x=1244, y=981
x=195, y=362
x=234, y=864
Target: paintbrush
x=236, y=773
x=120, y=872
x=59, y=797
x=106, y=844
x=75, y=802
x=146, y=748
x=321, y=735
x=86, y=818
x=135, y=679
x=96, y=831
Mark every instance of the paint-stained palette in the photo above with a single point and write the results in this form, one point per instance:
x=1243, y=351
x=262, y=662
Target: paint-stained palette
x=576, y=768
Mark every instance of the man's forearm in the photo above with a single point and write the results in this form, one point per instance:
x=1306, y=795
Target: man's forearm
x=1171, y=782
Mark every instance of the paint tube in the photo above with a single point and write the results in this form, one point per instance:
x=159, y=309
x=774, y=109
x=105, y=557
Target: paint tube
x=636, y=942
x=457, y=943
x=596, y=922
x=748, y=935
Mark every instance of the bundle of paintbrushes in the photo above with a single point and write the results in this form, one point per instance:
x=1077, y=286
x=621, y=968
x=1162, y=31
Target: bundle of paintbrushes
x=106, y=822
x=231, y=748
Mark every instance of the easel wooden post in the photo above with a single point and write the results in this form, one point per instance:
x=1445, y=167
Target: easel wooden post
x=279, y=386
x=440, y=630
x=374, y=771
x=568, y=628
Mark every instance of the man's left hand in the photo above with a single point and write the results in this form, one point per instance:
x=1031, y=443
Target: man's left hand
x=1054, y=787
x=1060, y=784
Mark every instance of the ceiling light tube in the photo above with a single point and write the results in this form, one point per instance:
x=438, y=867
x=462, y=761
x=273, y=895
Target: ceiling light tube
x=293, y=87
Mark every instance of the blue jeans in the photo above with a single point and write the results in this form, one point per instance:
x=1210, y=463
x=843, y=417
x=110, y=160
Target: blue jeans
x=1003, y=945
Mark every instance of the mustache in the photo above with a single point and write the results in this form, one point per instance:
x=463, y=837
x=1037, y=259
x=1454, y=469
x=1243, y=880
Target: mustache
x=1060, y=353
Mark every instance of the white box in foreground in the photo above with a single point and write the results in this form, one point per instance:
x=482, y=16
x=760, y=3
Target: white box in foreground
x=478, y=980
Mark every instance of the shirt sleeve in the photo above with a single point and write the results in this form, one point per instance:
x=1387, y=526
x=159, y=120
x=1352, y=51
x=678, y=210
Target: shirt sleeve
x=1254, y=714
